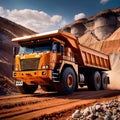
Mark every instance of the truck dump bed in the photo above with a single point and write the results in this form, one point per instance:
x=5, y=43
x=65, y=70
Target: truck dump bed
x=87, y=57
x=84, y=56
x=93, y=58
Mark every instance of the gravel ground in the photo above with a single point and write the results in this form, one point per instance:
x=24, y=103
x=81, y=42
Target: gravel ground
x=109, y=110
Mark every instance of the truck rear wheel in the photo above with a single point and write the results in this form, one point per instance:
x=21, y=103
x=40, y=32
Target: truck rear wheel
x=94, y=81
x=68, y=81
x=104, y=81
x=28, y=89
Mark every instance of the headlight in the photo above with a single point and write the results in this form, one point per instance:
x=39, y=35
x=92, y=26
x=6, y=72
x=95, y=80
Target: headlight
x=16, y=69
x=45, y=67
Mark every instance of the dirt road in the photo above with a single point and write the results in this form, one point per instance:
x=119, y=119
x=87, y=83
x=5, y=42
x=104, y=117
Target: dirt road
x=49, y=105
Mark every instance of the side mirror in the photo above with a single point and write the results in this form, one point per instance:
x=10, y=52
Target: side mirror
x=14, y=51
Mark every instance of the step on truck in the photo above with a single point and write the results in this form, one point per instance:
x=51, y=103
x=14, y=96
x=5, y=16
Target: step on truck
x=58, y=62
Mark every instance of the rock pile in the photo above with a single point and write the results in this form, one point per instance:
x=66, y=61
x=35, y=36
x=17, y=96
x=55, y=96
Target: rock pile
x=99, y=111
x=7, y=86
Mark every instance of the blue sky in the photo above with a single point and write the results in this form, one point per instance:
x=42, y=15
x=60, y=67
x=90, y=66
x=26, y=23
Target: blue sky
x=46, y=15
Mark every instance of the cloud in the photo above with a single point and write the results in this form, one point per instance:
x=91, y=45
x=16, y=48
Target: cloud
x=38, y=21
x=104, y=1
x=63, y=23
x=79, y=16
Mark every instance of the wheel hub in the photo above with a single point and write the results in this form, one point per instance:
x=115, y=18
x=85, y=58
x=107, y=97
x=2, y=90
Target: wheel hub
x=70, y=81
x=98, y=80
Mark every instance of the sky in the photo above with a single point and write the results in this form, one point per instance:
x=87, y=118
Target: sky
x=48, y=15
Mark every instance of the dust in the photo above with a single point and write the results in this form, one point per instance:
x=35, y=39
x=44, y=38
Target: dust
x=114, y=74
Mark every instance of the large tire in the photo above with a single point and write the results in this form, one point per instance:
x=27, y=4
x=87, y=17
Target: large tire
x=104, y=79
x=68, y=81
x=27, y=89
x=94, y=81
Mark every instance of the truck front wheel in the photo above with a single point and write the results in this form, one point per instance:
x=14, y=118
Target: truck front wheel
x=27, y=89
x=68, y=81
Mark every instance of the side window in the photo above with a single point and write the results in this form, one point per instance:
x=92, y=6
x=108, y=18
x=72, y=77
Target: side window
x=57, y=47
x=54, y=48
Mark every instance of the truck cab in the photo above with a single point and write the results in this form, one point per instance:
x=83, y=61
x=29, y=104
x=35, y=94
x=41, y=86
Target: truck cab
x=40, y=62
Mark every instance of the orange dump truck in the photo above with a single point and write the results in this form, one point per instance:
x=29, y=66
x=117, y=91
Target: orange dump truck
x=58, y=62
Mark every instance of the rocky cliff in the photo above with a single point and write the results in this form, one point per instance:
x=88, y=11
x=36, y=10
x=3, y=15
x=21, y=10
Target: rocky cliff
x=9, y=30
x=101, y=25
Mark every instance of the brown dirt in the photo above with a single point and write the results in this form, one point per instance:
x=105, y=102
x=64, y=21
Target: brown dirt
x=50, y=106
x=7, y=86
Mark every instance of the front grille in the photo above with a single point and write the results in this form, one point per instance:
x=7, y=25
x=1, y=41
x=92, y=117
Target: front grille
x=29, y=64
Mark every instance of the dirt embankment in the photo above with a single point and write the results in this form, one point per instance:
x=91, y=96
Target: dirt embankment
x=7, y=86
x=114, y=74
x=8, y=30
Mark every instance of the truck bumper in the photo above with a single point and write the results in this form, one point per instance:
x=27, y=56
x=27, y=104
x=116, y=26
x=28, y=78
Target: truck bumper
x=40, y=77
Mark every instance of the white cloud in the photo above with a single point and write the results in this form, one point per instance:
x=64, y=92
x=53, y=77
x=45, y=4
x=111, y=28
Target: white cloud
x=79, y=16
x=104, y=1
x=38, y=21
x=1, y=10
x=63, y=23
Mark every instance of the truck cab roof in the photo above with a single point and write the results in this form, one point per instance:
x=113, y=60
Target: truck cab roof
x=58, y=34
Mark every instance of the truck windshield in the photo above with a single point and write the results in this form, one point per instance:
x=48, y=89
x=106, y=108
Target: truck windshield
x=32, y=47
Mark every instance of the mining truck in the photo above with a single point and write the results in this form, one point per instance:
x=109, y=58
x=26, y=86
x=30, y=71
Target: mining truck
x=58, y=62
